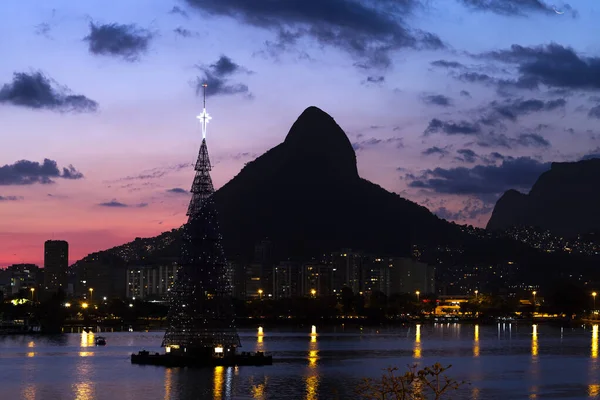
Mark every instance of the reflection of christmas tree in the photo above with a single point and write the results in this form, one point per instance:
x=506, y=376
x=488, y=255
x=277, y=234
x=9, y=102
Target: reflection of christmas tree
x=201, y=315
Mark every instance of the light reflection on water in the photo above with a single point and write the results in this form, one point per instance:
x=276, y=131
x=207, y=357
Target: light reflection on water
x=417, y=347
x=504, y=361
x=312, y=377
x=476, y=341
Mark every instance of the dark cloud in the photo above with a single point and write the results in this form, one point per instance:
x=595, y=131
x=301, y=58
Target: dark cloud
x=178, y=11
x=368, y=30
x=183, y=32
x=438, y=100
x=594, y=112
x=532, y=140
x=117, y=204
x=493, y=116
x=516, y=7
x=37, y=91
x=471, y=210
x=128, y=42
x=372, y=142
x=476, y=77
x=552, y=65
x=464, y=93
x=244, y=155
x=10, y=198
x=594, y=99
x=592, y=154
x=217, y=75
x=447, y=64
x=178, y=191
x=513, y=173
x=435, y=150
x=493, y=139
x=26, y=172
x=43, y=29
x=154, y=173
x=512, y=109
x=376, y=79
x=452, y=128
x=467, y=155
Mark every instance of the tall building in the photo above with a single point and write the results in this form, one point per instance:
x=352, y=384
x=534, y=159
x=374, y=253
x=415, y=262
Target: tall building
x=24, y=277
x=259, y=273
x=347, y=267
x=285, y=280
x=104, y=274
x=375, y=275
x=316, y=280
x=56, y=263
x=150, y=281
x=409, y=276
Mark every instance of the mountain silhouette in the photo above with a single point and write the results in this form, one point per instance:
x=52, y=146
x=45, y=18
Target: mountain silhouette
x=306, y=197
x=564, y=200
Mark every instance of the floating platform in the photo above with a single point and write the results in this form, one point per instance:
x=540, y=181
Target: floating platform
x=178, y=360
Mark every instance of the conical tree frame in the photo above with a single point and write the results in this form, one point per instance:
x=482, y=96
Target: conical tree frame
x=201, y=313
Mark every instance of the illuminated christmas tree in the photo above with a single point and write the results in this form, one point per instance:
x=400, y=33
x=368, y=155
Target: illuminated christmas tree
x=201, y=319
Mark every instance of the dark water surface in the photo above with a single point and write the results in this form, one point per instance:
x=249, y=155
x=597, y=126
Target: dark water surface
x=507, y=361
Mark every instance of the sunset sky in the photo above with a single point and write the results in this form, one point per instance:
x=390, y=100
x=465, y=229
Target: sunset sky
x=448, y=103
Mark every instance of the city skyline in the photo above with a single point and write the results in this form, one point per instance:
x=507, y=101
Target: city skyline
x=443, y=117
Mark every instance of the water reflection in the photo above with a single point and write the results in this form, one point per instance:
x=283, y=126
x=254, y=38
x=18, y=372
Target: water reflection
x=228, y=382
x=258, y=391
x=417, y=347
x=30, y=345
x=87, y=340
x=534, y=342
x=168, y=383
x=260, y=346
x=223, y=382
x=594, y=341
x=218, y=382
x=476, y=342
x=593, y=391
x=84, y=389
x=534, y=390
x=29, y=392
x=312, y=377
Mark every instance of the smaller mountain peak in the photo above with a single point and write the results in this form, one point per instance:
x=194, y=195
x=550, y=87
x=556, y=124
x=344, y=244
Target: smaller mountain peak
x=313, y=121
x=317, y=136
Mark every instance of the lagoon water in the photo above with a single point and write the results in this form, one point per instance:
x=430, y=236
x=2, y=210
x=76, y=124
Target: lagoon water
x=507, y=361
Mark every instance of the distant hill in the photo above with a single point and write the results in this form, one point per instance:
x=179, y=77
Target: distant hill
x=306, y=197
x=564, y=200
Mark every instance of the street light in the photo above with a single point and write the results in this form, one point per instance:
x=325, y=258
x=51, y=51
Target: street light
x=91, y=294
x=417, y=293
x=594, y=297
x=260, y=292
x=32, y=291
x=476, y=292
x=534, y=293
x=313, y=292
